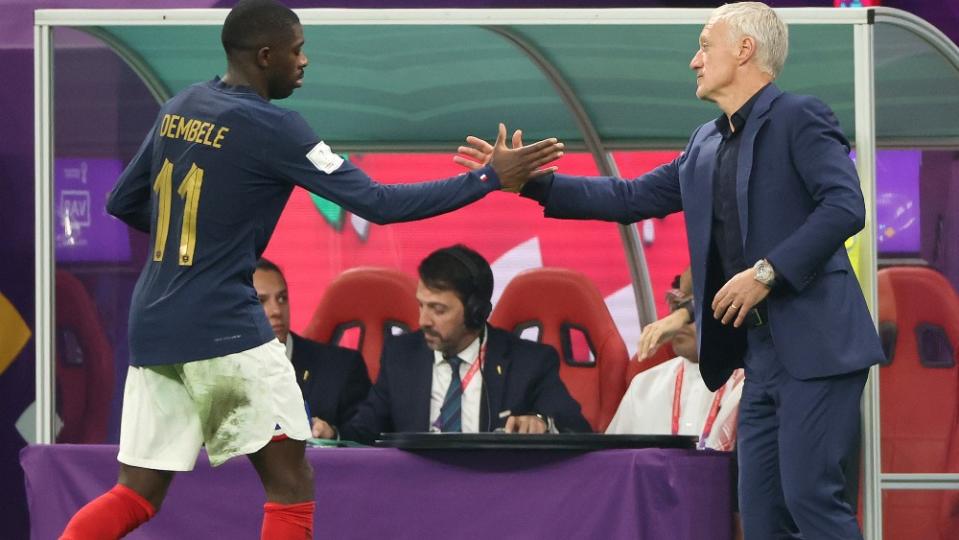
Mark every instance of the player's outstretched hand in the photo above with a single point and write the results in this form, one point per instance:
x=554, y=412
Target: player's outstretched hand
x=515, y=166
x=478, y=153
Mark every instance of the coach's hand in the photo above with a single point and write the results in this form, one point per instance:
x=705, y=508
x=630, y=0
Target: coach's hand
x=515, y=166
x=739, y=295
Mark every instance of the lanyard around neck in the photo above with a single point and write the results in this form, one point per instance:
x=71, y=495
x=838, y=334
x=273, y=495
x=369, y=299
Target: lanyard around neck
x=473, y=368
x=713, y=409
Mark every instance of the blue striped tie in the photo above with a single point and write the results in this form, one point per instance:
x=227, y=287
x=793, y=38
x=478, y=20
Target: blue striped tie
x=449, y=420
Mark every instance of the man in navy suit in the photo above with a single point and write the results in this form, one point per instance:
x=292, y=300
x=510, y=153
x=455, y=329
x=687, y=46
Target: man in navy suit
x=457, y=373
x=333, y=379
x=770, y=195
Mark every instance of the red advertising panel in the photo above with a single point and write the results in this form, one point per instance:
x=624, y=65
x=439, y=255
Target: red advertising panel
x=315, y=240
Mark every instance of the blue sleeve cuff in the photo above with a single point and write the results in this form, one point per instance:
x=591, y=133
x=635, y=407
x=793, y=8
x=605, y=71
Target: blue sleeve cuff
x=488, y=176
x=538, y=188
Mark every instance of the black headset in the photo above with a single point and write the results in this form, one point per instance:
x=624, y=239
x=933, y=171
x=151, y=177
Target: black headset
x=475, y=309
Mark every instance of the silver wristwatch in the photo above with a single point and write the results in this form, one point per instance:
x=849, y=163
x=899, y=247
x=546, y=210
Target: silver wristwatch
x=765, y=273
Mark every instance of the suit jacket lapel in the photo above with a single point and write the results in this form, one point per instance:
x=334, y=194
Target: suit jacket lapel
x=698, y=206
x=420, y=383
x=744, y=163
x=495, y=369
x=298, y=367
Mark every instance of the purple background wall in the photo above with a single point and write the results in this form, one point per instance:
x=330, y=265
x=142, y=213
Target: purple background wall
x=940, y=176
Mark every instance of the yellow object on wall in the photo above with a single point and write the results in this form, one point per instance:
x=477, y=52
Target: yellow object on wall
x=854, y=249
x=14, y=333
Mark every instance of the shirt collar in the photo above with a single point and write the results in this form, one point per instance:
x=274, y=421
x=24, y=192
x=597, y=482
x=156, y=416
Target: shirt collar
x=739, y=117
x=467, y=355
x=289, y=346
x=218, y=83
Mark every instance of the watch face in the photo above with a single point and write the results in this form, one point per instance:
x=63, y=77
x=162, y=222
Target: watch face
x=763, y=272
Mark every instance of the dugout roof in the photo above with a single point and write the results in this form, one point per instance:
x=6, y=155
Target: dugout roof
x=422, y=79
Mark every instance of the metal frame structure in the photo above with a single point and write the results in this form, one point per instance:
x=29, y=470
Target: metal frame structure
x=43, y=231
x=496, y=21
x=863, y=62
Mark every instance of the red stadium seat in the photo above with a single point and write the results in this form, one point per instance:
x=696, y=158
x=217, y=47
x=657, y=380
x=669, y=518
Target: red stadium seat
x=569, y=313
x=887, y=314
x=919, y=388
x=85, y=366
x=361, y=307
x=949, y=513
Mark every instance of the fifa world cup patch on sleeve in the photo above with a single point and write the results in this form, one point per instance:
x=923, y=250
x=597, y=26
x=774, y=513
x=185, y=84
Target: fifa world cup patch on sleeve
x=323, y=158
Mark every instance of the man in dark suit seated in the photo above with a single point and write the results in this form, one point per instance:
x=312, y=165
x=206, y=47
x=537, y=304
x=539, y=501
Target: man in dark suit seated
x=459, y=374
x=333, y=379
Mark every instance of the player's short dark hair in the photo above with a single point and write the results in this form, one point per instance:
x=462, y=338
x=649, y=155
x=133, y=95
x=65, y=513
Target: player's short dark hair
x=269, y=266
x=458, y=269
x=252, y=24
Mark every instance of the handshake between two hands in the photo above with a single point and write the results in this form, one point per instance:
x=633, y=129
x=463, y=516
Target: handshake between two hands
x=514, y=165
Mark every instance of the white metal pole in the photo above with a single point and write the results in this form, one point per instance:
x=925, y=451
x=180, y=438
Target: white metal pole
x=43, y=255
x=463, y=17
x=865, y=108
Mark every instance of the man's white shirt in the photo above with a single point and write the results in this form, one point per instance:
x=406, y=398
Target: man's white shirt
x=472, y=396
x=647, y=406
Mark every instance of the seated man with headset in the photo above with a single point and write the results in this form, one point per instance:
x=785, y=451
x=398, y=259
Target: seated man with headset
x=458, y=373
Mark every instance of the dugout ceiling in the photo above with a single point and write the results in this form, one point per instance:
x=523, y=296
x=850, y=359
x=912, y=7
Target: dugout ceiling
x=423, y=79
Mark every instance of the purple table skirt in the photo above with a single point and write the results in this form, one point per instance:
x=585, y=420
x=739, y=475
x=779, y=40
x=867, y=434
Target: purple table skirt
x=384, y=493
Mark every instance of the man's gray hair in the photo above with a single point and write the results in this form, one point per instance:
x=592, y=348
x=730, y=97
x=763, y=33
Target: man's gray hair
x=760, y=22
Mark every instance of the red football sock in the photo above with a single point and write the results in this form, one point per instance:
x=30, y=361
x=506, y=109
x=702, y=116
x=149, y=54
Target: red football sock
x=287, y=521
x=111, y=515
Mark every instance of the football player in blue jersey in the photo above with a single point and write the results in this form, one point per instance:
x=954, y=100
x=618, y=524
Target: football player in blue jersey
x=209, y=183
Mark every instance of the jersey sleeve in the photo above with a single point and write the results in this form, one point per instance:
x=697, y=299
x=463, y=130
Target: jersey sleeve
x=130, y=199
x=302, y=159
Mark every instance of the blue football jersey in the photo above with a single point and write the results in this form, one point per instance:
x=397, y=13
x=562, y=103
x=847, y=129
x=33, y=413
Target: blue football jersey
x=209, y=183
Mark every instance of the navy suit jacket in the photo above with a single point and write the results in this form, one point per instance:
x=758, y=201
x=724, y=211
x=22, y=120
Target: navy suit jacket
x=337, y=380
x=518, y=375
x=799, y=199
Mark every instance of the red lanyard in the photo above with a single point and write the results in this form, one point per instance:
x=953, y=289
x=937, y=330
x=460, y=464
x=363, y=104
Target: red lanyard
x=473, y=368
x=713, y=409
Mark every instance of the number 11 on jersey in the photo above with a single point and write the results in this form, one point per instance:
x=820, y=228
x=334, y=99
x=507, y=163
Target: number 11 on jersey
x=189, y=190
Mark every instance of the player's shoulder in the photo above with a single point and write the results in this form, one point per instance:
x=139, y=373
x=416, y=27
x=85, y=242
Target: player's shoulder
x=288, y=119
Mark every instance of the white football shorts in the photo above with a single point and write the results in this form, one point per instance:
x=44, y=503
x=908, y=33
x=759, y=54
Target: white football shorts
x=233, y=404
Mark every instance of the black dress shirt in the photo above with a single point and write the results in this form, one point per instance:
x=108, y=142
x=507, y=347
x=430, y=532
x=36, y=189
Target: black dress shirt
x=727, y=237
